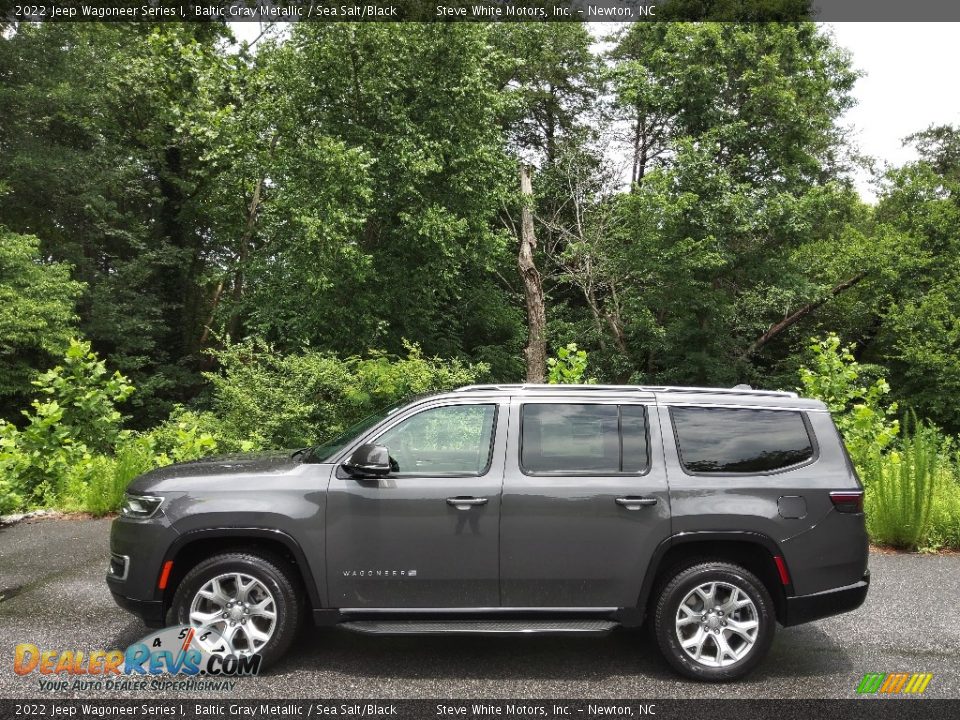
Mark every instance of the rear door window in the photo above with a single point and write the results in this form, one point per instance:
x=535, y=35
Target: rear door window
x=582, y=438
x=740, y=440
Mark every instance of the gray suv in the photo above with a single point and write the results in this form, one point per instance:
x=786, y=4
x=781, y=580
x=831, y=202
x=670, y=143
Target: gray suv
x=498, y=509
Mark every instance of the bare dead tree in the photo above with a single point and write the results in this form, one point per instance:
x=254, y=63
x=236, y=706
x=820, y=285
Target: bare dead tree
x=536, y=350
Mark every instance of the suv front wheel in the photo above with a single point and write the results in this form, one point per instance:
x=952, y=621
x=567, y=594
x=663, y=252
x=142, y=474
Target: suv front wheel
x=714, y=621
x=248, y=598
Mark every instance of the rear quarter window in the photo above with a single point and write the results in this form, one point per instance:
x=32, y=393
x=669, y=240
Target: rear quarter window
x=740, y=440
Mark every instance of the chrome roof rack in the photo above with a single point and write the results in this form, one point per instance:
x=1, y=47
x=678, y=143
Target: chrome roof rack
x=532, y=387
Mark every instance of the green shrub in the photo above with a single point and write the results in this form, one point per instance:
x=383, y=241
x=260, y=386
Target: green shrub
x=569, y=367
x=10, y=501
x=901, y=486
x=868, y=424
x=264, y=399
x=74, y=419
x=188, y=435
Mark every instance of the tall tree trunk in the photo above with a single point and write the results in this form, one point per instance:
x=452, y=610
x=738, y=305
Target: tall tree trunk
x=242, y=254
x=536, y=350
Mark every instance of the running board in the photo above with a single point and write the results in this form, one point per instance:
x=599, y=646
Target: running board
x=479, y=627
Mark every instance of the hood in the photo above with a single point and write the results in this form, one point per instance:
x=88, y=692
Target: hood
x=218, y=468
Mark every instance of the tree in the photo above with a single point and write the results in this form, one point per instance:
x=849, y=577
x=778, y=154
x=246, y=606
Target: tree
x=37, y=314
x=536, y=350
x=738, y=169
x=388, y=173
x=917, y=328
x=551, y=82
x=103, y=144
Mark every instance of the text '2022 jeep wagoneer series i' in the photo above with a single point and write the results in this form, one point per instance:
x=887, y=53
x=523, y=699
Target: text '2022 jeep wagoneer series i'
x=712, y=514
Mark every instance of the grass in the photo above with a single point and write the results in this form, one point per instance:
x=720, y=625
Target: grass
x=97, y=486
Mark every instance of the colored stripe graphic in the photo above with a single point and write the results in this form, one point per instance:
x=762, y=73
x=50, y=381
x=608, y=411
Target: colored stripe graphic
x=871, y=682
x=918, y=683
x=894, y=683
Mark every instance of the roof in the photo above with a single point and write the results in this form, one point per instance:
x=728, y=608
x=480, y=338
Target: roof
x=664, y=394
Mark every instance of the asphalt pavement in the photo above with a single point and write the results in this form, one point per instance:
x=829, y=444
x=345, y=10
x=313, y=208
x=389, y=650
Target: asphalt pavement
x=52, y=594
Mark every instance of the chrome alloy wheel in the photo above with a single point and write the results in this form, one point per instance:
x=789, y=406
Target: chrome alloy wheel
x=717, y=624
x=239, y=608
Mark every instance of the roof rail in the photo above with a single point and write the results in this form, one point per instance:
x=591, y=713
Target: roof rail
x=532, y=387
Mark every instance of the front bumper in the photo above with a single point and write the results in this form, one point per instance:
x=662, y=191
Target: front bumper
x=150, y=611
x=137, y=552
x=806, y=608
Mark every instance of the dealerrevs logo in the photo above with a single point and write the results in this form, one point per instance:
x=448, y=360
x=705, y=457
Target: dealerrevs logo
x=171, y=651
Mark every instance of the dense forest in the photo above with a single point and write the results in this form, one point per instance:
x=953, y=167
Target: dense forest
x=355, y=187
x=675, y=198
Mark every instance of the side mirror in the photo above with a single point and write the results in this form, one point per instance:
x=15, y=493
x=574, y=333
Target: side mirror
x=368, y=460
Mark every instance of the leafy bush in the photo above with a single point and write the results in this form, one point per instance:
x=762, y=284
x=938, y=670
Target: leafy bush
x=186, y=435
x=263, y=399
x=569, y=367
x=901, y=486
x=868, y=425
x=74, y=419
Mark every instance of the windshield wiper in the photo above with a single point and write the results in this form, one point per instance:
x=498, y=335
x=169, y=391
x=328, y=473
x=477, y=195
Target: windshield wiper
x=305, y=451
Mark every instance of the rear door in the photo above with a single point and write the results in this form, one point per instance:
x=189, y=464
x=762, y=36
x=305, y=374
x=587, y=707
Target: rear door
x=585, y=502
x=426, y=535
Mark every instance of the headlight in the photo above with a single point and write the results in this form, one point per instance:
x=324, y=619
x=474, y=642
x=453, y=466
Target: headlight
x=140, y=506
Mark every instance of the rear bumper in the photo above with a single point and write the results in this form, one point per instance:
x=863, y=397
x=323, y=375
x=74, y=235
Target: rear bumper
x=806, y=608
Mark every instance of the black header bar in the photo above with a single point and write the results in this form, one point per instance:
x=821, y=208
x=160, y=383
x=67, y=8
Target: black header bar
x=480, y=10
x=214, y=707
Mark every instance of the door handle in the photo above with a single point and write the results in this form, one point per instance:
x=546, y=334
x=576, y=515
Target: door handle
x=635, y=503
x=465, y=503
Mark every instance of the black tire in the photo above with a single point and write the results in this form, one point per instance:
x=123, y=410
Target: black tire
x=684, y=581
x=275, y=574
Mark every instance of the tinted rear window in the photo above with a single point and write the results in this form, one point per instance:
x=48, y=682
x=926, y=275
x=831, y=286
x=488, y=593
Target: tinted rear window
x=722, y=440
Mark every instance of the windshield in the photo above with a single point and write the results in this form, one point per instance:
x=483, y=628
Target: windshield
x=322, y=453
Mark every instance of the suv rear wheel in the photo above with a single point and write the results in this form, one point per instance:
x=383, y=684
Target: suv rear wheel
x=714, y=621
x=248, y=598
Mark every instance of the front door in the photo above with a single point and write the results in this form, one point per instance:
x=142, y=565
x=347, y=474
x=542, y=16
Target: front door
x=585, y=503
x=426, y=535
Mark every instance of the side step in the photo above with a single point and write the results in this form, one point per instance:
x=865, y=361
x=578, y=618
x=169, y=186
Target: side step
x=479, y=627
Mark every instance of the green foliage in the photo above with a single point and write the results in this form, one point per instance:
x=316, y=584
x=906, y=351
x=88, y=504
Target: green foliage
x=74, y=419
x=347, y=186
x=569, y=367
x=188, y=435
x=379, y=220
x=105, y=131
x=266, y=399
x=901, y=486
x=85, y=395
x=36, y=312
x=945, y=515
x=97, y=485
x=918, y=331
x=859, y=407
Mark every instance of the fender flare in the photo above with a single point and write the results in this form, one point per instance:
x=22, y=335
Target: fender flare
x=744, y=536
x=288, y=541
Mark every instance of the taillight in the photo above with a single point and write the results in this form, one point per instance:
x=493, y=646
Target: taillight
x=847, y=501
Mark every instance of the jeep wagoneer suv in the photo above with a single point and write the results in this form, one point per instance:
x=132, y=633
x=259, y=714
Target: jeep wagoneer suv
x=712, y=514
